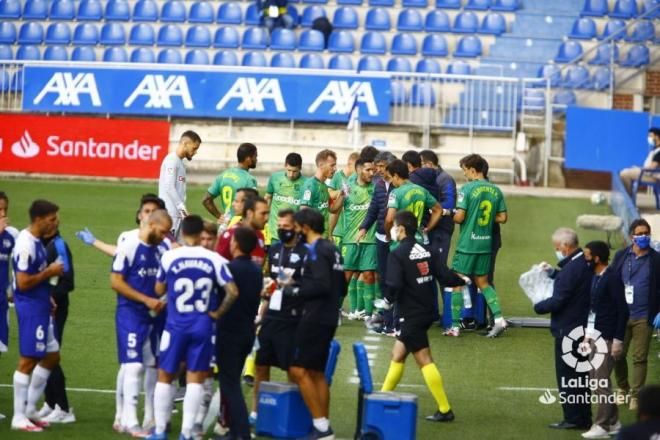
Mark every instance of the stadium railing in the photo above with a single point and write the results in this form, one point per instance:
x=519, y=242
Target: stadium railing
x=622, y=205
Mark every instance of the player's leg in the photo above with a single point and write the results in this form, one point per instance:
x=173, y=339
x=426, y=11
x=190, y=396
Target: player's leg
x=132, y=337
x=191, y=401
x=368, y=265
x=119, y=398
x=368, y=279
x=150, y=356
x=395, y=371
x=481, y=270
x=162, y=403
x=462, y=264
x=434, y=382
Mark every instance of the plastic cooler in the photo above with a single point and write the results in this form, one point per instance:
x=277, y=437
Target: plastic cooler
x=282, y=411
x=390, y=416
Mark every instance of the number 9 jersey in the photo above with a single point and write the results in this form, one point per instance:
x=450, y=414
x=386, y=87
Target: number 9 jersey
x=481, y=201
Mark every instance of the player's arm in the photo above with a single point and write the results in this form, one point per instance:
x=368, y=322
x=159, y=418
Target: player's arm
x=169, y=184
x=337, y=203
x=459, y=216
x=210, y=206
x=332, y=223
x=89, y=239
x=231, y=294
x=436, y=214
x=160, y=288
x=389, y=220
x=26, y=281
x=501, y=217
x=119, y=285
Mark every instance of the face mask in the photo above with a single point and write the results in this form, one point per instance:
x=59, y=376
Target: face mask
x=302, y=237
x=394, y=232
x=559, y=255
x=642, y=241
x=285, y=234
x=591, y=264
x=651, y=142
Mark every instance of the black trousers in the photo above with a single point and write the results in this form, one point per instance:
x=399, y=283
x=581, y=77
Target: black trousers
x=440, y=240
x=231, y=351
x=55, y=393
x=382, y=252
x=576, y=413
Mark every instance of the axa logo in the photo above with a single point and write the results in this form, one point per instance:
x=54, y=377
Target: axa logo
x=25, y=147
x=253, y=94
x=343, y=94
x=69, y=88
x=160, y=90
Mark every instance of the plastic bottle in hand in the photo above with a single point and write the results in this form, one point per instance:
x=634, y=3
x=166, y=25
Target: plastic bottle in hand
x=56, y=279
x=153, y=313
x=226, y=218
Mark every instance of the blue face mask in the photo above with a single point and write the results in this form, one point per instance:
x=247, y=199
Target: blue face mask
x=559, y=256
x=642, y=241
x=651, y=142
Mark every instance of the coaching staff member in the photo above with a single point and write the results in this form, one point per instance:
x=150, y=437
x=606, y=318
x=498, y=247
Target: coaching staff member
x=321, y=285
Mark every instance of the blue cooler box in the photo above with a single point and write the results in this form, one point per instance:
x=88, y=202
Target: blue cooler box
x=282, y=413
x=391, y=416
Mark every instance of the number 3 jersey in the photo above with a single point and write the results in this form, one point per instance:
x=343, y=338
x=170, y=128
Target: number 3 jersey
x=481, y=201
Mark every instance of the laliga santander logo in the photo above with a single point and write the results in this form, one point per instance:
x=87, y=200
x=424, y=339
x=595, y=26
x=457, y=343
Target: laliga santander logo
x=25, y=147
x=547, y=398
x=586, y=359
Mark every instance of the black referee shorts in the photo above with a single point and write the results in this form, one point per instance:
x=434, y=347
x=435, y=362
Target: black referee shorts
x=312, y=345
x=276, y=338
x=414, y=334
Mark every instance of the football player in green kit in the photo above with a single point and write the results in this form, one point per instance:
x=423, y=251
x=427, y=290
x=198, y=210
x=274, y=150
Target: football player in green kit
x=315, y=191
x=336, y=185
x=284, y=191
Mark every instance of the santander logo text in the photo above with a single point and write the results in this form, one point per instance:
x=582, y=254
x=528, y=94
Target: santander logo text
x=25, y=147
x=91, y=148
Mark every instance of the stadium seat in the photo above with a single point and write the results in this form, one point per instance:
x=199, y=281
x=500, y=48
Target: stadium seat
x=568, y=51
x=283, y=60
x=373, y=43
x=624, y=9
x=293, y=12
x=648, y=5
x=56, y=53
x=226, y=37
x=435, y=45
x=369, y=64
x=145, y=10
x=576, y=77
x=340, y=62
x=422, y=94
x=90, y=10
x=614, y=27
x=466, y=23
x=255, y=38
x=397, y=93
x=117, y=10
x=345, y=18
x=427, y=65
x=603, y=55
x=448, y=4
x=115, y=55
x=113, y=34
x=7, y=33
x=62, y=10
x=341, y=41
x=468, y=47
x=197, y=57
x=201, y=12
x=601, y=79
x=399, y=64
x=174, y=11
x=320, y=2
x=414, y=3
x=283, y=39
x=565, y=98
x=493, y=24
x=311, y=40
x=583, y=29
x=170, y=35
x=58, y=33
x=170, y=56
x=198, y=36
x=31, y=33
x=404, y=44
x=350, y=2
x=34, y=10
x=383, y=3
x=551, y=71
x=310, y=14
x=143, y=55
x=6, y=53
x=505, y=5
x=642, y=31
x=252, y=16
x=254, y=59
x=85, y=34
x=437, y=21
x=459, y=68
x=28, y=53
x=142, y=35
x=230, y=13
x=225, y=58
x=594, y=8
x=312, y=61
x=477, y=5
x=10, y=9
x=83, y=53
x=378, y=19
x=410, y=20
x=637, y=56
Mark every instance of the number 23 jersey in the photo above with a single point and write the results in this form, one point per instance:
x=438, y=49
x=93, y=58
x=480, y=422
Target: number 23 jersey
x=481, y=201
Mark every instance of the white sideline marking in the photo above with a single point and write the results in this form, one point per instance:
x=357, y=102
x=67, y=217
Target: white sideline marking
x=372, y=338
x=404, y=385
x=372, y=356
x=354, y=380
x=524, y=388
x=75, y=390
x=372, y=347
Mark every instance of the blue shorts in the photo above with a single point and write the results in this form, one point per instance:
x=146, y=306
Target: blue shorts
x=4, y=324
x=134, y=340
x=36, y=335
x=157, y=330
x=192, y=344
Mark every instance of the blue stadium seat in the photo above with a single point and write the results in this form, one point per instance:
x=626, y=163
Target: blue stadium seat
x=576, y=77
x=10, y=9
x=255, y=38
x=56, y=53
x=437, y=21
x=448, y=4
x=642, y=31
x=477, y=5
x=145, y=10
x=117, y=10
x=378, y=19
x=397, y=93
x=422, y=94
x=113, y=34
x=83, y=53
x=34, y=10
x=601, y=79
x=252, y=16
x=583, y=29
x=459, y=68
x=85, y=34
x=551, y=71
x=399, y=64
x=340, y=62
x=637, y=56
x=466, y=23
x=369, y=63
x=230, y=13
x=283, y=60
x=293, y=12
x=648, y=5
x=6, y=53
x=603, y=55
x=115, y=55
x=174, y=11
x=310, y=14
x=568, y=51
x=197, y=57
x=254, y=59
x=226, y=37
x=225, y=58
x=320, y=2
x=414, y=3
x=566, y=97
x=198, y=36
x=311, y=40
x=435, y=45
x=169, y=56
x=7, y=32
x=201, y=12
x=62, y=10
x=404, y=44
x=142, y=34
x=58, y=33
x=345, y=18
x=383, y=3
x=493, y=24
x=170, y=35
x=505, y=5
x=427, y=65
x=31, y=33
x=341, y=41
x=143, y=55
x=468, y=47
x=90, y=10
x=410, y=20
x=373, y=43
x=312, y=61
x=624, y=9
x=594, y=8
x=350, y=2
x=28, y=53
x=283, y=39
x=613, y=27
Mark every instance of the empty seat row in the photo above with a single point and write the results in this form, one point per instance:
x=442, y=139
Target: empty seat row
x=435, y=21
x=638, y=55
x=585, y=29
x=477, y=5
x=622, y=8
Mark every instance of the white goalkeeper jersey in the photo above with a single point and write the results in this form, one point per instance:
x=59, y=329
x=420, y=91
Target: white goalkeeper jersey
x=172, y=184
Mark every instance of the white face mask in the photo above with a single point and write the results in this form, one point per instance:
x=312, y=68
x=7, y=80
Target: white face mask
x=651, y=142
x=394, y=232
x=559, y=255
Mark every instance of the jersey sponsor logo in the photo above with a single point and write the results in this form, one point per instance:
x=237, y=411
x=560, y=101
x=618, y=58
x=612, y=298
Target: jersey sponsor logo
x=181, y=178
x=307, y=195
x=286, y=199
x=343, y=95
x=425, y=279
x=461, y=197
x=147, y=272
x=363, y=207
x=169, y=170
x=391, y=199
x=160, y=90
x=418, y=253
x=252, y=95
x=323, y=205
x=294, y=258
x=25, y=147
x=70, y=88
x=474, y=236
x=267, y=400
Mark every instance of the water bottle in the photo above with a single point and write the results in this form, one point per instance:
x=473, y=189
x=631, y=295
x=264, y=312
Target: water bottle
x=225, y=222
x=163, y=299
x=56, y=279
x=467, y=299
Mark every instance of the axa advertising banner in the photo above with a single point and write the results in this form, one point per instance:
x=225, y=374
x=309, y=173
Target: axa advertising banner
x=82, y=146
x=206, y=94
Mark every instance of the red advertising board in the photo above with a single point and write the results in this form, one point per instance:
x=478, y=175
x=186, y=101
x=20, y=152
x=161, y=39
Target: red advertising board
x=83, y=146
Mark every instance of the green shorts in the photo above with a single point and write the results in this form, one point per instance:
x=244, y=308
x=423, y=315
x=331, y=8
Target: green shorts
x=360, y=257
x=471, y=264
x=337, y=240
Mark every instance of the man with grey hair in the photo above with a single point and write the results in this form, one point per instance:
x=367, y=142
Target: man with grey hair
x=569, y=307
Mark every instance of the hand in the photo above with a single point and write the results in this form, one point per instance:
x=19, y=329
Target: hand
x=154, y=304
x=183, y=213
x=214, y=314
x=360, y=235
x=53, y=306
x=86, y=236
x=269, y=288
x=617, y=349
x=656, y=321
x=55, y=269
x=383, y=304
x=545, y=266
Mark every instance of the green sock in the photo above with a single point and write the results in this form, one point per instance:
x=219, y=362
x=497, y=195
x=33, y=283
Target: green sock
x=456, y=306
x=360, y=295
x=377, y=292
x=352, y=295
x=491, y=300
x=369, y=298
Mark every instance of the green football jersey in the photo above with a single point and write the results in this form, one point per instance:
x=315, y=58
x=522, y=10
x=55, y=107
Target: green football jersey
x=355, y=209
x=337, y=182
x=286, y=194
x=315, y=195
x=226, y=185
x=481, y=201
x=413, y=198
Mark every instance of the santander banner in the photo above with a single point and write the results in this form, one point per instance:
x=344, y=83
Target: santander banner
x=83, y=146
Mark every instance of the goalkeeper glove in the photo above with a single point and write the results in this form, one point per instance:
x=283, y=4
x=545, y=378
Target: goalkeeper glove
x=86, y=236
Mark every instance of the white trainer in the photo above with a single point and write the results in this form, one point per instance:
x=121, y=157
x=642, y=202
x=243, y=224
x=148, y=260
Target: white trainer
x=596, y=431
x=58, y=415
x=499, y=328
x=44, y=411
x=22, y=423
x=614, y=429
x=454, y=331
